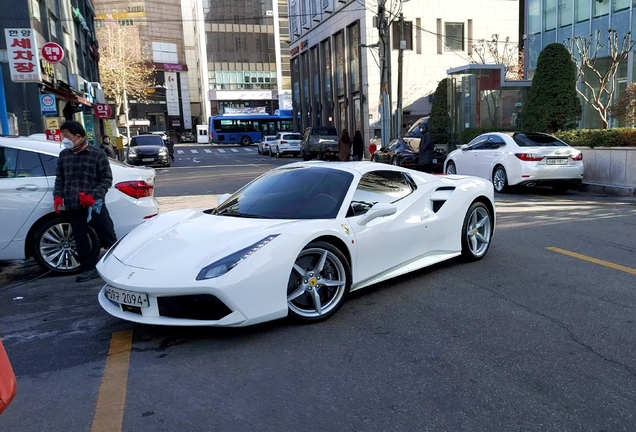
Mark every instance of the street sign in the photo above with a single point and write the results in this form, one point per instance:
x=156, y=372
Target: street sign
x=23, y=55
x=52, y=123
x=48, y=105
x=103, y=111
x=54, y=135
x=52, y=52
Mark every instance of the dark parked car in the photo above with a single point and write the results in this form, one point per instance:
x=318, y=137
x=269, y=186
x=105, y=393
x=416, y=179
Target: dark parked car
x=187, y=137
x=148, y=150
x=401, y=153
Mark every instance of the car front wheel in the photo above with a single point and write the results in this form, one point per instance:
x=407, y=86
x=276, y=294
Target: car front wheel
x=319, y=282
x=476, y=232
x=500, y=179
x=54, y=246
x=450, y=168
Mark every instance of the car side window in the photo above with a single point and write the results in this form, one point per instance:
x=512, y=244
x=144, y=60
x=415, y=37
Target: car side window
x=29, y=164
x=8, y=162
x=49, y=163
x=494, y=143
x=478, y=143
x=394, y=146
x=378, y=187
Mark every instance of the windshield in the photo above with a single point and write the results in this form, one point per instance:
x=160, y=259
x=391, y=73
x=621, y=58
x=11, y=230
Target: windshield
x=293, y=137
x=325, y=131
x=537, y=140
x=146, y=140
x=291, y=193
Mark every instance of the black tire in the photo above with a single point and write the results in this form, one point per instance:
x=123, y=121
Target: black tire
x=500, y=183
x=245, y=141
x=63, y=227
x=449, y=165
x=306, y=286
x=271, y=152
x=278, y=153
x=470, y=251
x=304, y=155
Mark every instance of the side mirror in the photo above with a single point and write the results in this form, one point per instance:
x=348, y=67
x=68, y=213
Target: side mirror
x=378, y=210
x=220, y=200
x=464, y=147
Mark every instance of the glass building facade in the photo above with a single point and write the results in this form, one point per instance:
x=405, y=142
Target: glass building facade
x=549, y=21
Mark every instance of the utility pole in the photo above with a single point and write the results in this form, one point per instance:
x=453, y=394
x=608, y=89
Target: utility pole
x=398, y=114
x=4, y=118
x=386, y=106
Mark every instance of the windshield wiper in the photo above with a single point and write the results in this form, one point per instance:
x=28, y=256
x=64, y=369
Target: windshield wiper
x=233, y=213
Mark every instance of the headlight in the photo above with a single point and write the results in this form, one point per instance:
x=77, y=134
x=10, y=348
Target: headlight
x=132, y=151
x=163, y=150
x=224, y=265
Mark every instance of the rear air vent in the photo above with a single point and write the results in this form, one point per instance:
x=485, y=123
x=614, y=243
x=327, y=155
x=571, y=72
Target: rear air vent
x=440, y=196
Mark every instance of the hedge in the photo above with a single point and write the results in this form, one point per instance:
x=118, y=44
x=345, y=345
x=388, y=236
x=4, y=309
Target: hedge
x=617, y=137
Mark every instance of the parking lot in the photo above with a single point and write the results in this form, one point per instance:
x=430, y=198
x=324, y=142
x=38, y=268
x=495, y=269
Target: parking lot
x=539, y=335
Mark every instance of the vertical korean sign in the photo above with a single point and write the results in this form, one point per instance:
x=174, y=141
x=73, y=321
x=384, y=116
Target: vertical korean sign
x=172, y=94
x=22, y=51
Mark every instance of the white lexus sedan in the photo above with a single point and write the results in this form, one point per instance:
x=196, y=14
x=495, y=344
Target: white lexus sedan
x=515, y=158
x=30, y=226
x=286, y=143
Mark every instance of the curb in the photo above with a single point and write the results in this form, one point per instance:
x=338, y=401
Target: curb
x=167, y=204
x=622, y=191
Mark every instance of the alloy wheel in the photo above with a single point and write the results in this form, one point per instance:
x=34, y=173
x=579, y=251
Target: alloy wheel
x=57, y=247
x=478, y=231
x=317, y=283
x=450, y=169
x=499, y=179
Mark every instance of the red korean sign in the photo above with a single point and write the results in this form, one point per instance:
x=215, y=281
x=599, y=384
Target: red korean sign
x=23, y=55
x=54, y=135
x=103, y=111
x=52, y=52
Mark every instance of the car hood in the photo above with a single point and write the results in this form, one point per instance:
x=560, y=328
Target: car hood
x=184, y=239
x=148, y=149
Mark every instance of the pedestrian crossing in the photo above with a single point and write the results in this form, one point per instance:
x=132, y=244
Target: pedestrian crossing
x=214, y=151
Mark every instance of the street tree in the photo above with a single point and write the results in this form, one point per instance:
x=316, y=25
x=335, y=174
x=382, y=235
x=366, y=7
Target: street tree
x=552, y=103
x=496, y=51
x=597, y=65
x=125, y=68
x=439, y=119
x=624, y=108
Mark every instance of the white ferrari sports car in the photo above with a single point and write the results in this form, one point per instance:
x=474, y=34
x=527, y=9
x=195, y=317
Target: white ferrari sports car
x=294, y=242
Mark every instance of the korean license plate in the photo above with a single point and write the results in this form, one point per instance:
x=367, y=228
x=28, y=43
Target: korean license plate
x=128, y=298
x=147, y=160
x=556, y=161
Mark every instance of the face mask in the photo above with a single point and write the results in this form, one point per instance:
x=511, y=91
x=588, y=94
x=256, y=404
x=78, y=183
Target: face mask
x=67, y=143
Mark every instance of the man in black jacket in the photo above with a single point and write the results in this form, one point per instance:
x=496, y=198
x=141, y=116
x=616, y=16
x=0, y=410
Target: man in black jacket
x=82, y=179
x=427, y=151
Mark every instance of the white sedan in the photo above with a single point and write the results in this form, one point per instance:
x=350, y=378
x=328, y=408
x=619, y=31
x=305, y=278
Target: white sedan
x=31, y=228
x=295, y=241
x=286, y=143
x=263, y=144
x=514, y=158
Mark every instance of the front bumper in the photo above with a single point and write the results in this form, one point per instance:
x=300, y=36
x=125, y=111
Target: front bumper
x=149, y=160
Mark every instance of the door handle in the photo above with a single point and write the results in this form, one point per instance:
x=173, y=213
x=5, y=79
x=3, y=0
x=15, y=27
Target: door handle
x=32, y=188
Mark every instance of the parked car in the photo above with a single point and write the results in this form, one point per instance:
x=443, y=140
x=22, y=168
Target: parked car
x=31, y=228
x=264, y=144
x=414, y=134
x=294, y=227
x=320, y=143
x=147, y=150
x=402, y=153
x=515, y=158
x=187, y=137
x=286, y=143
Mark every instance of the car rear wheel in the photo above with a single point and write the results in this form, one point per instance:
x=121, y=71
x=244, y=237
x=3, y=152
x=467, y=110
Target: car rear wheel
x=278, y=154
x=476, y=232
x=54, y=246
x=451, y=169
x=500, y=179
x=319, y=282
x=245, y=141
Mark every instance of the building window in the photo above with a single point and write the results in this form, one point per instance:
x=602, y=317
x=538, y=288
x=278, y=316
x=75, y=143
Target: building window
x=325, y=4
x=454, y=36
x=619, y=5
x=303, y=13
x=601, y=8
x=565, y=12
x=408, y=35
x=53, y=26
x=35, y=9
x=582, y=10
x=418, y=35
x=549, y=14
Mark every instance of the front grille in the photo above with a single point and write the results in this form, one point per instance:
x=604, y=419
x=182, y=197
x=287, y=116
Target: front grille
x=133, y=309
x=197, y=307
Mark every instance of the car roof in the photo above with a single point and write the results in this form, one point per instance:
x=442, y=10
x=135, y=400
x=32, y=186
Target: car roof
x=362, y=167
x=37, y=143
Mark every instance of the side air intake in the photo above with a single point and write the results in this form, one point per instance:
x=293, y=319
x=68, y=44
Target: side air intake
x=440, y=196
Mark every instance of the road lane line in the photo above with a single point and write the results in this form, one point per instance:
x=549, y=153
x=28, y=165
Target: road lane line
x=221, y=150
x=180, y=152
x=248, y=150
x=594, y=260
x=207, y=150
x=234, y=150
x=109, y=412
x=194, y=151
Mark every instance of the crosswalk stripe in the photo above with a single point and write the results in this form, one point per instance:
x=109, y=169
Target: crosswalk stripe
x=234, y=150
x=180, y=152
x=248, y=150
x=221, y=151
x=207, y=150
x=194, y=151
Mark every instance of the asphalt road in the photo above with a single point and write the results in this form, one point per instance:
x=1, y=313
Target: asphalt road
x=540, y=335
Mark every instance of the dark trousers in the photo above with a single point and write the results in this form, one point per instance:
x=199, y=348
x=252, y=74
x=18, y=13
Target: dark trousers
x=101, y=223
x=427, y=168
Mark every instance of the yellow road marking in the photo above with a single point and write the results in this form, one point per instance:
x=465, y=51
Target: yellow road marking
x=594, y=260
x=109, y=412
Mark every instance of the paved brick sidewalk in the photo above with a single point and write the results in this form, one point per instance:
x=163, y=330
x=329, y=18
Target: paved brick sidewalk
x=167, y=204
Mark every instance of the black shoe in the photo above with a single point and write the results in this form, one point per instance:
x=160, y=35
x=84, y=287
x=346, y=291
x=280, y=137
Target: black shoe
x=87, y=275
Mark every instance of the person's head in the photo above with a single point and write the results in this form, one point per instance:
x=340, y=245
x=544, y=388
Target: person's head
x=106, y=139
x=345, y=133
x=358, y=135
x=73, y=131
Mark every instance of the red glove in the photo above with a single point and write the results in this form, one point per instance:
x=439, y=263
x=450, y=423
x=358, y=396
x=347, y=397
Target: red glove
x=86, y=200
x=57, y=202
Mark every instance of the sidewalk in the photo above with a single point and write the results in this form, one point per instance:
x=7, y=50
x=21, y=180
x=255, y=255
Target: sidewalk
x=167, y=204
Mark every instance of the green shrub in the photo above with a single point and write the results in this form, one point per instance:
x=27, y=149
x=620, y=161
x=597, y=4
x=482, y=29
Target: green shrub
x=617, y=137
x=439, y=119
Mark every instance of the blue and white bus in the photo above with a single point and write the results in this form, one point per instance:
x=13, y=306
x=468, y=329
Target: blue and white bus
x=245, y=129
